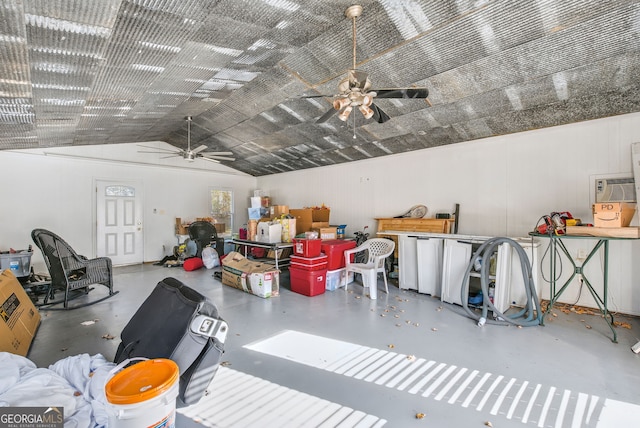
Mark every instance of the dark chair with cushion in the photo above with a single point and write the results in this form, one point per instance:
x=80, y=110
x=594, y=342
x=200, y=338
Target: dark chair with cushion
x=205, y=234
x=70, y=272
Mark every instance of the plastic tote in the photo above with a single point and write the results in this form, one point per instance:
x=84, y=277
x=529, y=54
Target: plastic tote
x=143, y=395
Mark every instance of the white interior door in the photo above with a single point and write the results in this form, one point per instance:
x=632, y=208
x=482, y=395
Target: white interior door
x=119, y=222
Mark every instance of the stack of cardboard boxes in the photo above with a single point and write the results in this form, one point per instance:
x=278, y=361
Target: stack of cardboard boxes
x=314, y=220
x=278, y=223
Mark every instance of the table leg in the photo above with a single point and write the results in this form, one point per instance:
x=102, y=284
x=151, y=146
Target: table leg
x=602, y=301
x=555, y=294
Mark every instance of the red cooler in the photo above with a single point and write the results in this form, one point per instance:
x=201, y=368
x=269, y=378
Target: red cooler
x=307, y=282
x=334, y=249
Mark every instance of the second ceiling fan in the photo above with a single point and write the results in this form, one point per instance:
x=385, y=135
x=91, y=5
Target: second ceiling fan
x=191, y=154
x=354, y=91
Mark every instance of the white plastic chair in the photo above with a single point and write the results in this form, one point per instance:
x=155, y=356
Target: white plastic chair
x=378, y=249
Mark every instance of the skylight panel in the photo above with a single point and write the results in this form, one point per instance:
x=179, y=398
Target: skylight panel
x=66, y=26
x=224, y=51
x=157, y=47
x=291, y=112
x=289, y=6
x=145, y=67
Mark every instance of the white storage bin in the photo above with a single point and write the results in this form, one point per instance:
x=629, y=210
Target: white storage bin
x=335, y=279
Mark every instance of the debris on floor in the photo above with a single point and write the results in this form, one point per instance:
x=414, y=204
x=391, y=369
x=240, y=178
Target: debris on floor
x=622, y=324
x=568, y=308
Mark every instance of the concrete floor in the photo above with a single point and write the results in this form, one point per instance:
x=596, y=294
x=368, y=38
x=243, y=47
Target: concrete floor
x=563, y=374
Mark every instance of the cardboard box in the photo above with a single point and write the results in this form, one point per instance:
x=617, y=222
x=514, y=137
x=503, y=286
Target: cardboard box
x=269, y=233
x=613, y=214
x=327, y=232
x=283, y=253
x=289, y=229
x=278, y=210
x=260, y=279
x=19, y=318
x=254, y=213
x=307, y=216
x=181, y=228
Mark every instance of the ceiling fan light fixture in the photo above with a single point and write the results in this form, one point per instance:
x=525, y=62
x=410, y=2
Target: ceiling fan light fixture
x=344, y=86
x=344, y=114
x=367, y=100
x=366, y=111
x=341, y=103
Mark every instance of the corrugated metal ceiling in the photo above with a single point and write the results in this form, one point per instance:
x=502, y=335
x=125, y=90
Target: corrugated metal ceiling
x=79, y=72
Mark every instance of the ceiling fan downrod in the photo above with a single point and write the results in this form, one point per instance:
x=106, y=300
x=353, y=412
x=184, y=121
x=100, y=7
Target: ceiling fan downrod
x=353, y=12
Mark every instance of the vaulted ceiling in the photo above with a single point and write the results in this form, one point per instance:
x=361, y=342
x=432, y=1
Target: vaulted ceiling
x=85, y=72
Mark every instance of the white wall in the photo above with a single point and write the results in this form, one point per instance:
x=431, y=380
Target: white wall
x=503, y=185
x=55, y=192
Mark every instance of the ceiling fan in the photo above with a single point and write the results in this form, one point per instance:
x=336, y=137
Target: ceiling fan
x=189, y=154
x=354, y=91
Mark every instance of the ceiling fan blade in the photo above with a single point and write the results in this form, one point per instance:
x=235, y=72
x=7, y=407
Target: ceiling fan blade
x=199, y=149
x=160, y=153
x=378, y=114
x=402, y=93
x=208, y=159
x=214, y=154
x=317, y=96
x=327, y=115
x=218, y=158
x=176, y=150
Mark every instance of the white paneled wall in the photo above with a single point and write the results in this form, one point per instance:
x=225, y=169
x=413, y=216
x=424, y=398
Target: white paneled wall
x=56, y=192
x=503, y=185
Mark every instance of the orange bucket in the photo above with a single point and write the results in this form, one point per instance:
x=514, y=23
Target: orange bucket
x=144, y=395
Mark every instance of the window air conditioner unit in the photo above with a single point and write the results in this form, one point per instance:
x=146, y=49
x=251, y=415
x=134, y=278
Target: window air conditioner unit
x=615, y=190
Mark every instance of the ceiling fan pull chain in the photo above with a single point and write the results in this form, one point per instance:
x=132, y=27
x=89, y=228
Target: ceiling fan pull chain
x=354, y=126
x=189, y=133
